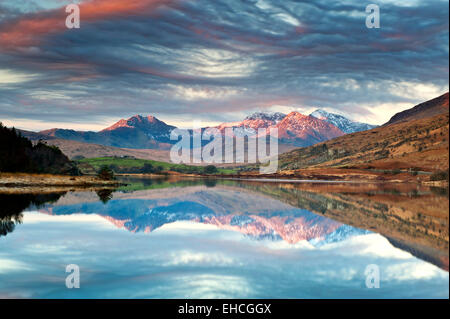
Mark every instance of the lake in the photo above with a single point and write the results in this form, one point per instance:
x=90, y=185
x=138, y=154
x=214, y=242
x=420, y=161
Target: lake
x=195, y=238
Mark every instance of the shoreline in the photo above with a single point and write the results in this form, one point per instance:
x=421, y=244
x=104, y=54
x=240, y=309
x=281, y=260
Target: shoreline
x=19, y=181
x=11, y=181
x=336, y=175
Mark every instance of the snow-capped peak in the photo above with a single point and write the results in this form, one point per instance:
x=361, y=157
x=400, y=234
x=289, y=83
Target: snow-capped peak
x=343, y=123
x=320, y=114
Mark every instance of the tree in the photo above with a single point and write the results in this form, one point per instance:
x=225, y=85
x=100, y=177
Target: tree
x=439, y=176
x=18, y=154
x=210, y=169
x=148, y=168
x=105, y=195
x=105, y=173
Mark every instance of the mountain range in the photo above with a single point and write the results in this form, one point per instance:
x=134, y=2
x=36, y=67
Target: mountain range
x=139, y=132
x=399, y=143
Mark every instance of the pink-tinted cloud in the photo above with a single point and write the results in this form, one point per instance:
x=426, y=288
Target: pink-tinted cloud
x=30, y=29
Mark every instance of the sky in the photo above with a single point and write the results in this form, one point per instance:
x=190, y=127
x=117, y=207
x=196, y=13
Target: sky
x=216, y=61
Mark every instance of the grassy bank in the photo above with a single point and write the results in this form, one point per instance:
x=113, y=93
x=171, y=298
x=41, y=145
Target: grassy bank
x=133, y=165
x=22, y=180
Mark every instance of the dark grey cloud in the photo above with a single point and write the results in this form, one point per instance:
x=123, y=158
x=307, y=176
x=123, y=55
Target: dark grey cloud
x=219, y=58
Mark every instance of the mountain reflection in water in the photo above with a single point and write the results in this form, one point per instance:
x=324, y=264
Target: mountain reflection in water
x=311, y=216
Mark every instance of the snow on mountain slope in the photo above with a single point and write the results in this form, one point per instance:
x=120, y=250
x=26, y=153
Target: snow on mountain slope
x=344, y=124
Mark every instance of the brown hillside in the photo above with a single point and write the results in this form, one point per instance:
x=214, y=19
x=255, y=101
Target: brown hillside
x=74, y=149
x=427, y=109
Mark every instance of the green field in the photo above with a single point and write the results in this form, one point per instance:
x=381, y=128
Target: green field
x=129, y=165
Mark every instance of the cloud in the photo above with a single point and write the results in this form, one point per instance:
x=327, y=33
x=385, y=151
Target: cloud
x=30, y=28
x=218, y=59
x=11, y=77
x=11, y=265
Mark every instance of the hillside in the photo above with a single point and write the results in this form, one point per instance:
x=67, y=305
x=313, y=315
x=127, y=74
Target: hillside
x=427, y=109
x=76, y=150
x=417, y=144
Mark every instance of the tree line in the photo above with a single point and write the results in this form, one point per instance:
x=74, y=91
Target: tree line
x=19, y=154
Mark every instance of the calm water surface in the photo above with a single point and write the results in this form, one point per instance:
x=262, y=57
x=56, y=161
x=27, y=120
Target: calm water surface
x=226, y=239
